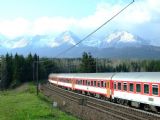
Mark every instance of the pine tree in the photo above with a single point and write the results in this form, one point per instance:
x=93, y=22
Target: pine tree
x=88, y=64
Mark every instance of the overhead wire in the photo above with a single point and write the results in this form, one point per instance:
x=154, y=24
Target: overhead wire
x=68, y=49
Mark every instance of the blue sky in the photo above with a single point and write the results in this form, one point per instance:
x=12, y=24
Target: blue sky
x=32, y=17
x=32, y=9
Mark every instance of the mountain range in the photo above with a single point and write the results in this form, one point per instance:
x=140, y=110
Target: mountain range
x=119, y=44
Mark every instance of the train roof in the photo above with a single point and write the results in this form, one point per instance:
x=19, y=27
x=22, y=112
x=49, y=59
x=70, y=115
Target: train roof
x=124, y=76
x=138, y=76
x=100, y=76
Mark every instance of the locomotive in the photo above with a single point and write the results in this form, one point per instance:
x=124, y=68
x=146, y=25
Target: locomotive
x=137, y=89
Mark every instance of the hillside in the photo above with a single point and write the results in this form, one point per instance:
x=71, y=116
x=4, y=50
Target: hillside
x=23, y=104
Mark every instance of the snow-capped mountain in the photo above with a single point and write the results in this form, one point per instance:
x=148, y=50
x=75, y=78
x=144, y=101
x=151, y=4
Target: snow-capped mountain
x=122, y=39
x=39, y=41
x=52, y=41
x=120, y=44
x=67, y=37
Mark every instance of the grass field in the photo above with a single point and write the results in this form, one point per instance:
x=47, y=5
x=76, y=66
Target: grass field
x=23, y=104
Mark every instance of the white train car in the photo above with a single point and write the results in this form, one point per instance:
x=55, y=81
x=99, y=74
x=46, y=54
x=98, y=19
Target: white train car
x=142, y=88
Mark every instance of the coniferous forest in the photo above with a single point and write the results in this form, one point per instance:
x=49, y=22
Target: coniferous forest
x=17, y=69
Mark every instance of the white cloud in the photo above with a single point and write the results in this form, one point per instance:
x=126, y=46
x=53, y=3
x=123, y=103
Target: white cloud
x=50, y=25
x=135, y=14
x=15, y=27
x=139, y=13
x=19, y=44
x=15, y=43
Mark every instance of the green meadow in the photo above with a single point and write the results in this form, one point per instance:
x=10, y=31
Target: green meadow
x=23, y=104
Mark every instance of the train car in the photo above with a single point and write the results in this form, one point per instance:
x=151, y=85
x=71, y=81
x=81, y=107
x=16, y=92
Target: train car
x=138, y=89
x=142, y=89
x=99, y=85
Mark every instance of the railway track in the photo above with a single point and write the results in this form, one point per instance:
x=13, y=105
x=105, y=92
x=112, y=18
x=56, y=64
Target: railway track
x=115, y=110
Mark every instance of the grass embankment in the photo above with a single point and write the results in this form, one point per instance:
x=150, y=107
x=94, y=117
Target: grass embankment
x=23, y=104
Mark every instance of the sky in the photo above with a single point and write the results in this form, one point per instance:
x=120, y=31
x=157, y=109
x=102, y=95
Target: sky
x=40, y=17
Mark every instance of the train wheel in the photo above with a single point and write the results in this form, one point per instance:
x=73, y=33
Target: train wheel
x=126, y=102
x=158, y=108
x=122, y=102
x=118, y=101
x=146, y=107
x=113, y=100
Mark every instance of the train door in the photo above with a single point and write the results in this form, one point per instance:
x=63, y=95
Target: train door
x=108, y=88
x=73, y=84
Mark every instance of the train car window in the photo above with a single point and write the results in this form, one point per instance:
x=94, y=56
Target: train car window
x=88, y=83
x=131, y=86
x=95, y=83
x=98, y=83
x=125, y=86
x=115, y=87
x=155, y=89
x=102, y=84
x=105, y=84
x=119, y=86
x=80, y=82
x=146, y=88
x=138, y=87
x=85, y=82
x=91, y=83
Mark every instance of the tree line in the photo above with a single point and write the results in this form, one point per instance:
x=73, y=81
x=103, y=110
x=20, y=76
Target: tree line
x=18, y=69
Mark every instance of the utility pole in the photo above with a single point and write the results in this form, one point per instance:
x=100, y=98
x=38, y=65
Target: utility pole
x=33, y=66
x=37, y=75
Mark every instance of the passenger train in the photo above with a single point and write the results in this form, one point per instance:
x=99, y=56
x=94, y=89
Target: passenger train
x=138, y=89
